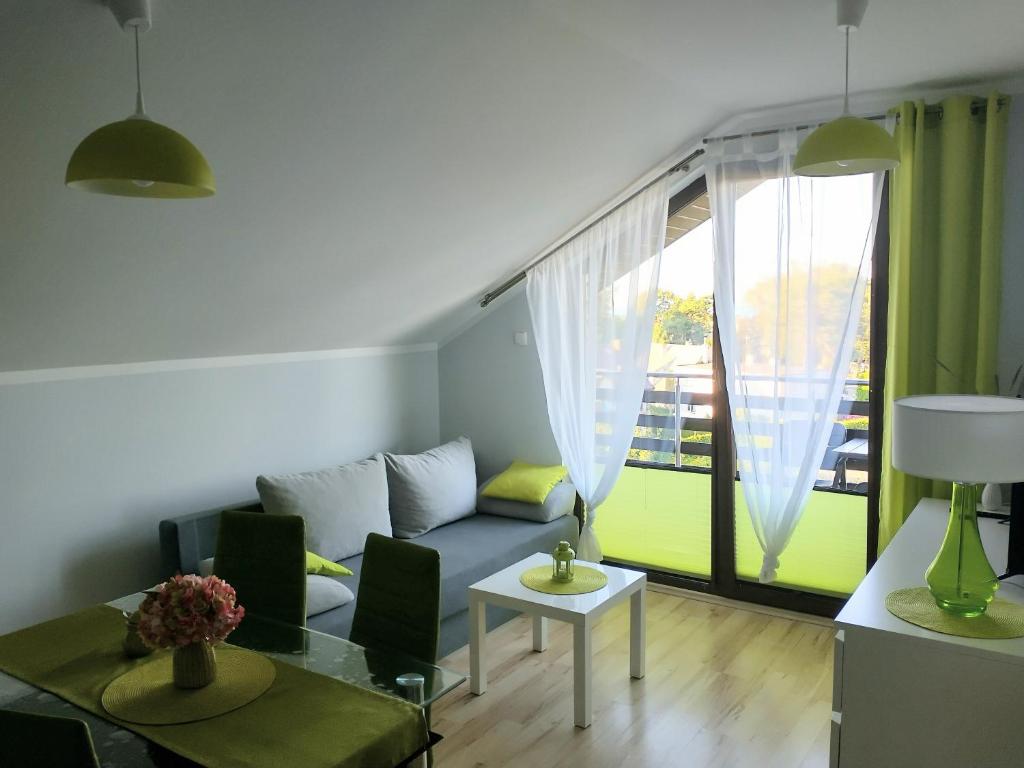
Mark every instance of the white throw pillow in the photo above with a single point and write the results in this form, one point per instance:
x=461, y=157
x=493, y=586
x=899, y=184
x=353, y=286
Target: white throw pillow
x=431, y=488
x=340, y=505
x=322, y=592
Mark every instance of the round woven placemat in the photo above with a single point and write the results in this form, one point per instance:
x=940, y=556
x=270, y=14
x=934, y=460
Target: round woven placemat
x=1002, y=619
x=147, y=695
x=586, y=580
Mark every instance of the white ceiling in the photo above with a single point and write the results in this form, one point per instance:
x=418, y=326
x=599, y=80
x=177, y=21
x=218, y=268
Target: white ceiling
x=381, y=164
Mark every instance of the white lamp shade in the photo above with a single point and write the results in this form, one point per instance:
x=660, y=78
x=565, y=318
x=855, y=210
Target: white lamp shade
x=967, y=438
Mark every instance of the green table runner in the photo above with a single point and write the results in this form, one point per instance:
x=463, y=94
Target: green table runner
x=304, y=719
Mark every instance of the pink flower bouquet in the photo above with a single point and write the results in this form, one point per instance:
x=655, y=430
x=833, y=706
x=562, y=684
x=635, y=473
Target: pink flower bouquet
x=189, y=609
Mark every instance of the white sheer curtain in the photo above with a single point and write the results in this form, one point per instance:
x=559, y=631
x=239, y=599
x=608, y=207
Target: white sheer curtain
x=792, y=256
x=592, y=306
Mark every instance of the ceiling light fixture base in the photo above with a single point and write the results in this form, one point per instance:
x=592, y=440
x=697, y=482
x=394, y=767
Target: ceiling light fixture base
x=132, y=14
x=850, y=13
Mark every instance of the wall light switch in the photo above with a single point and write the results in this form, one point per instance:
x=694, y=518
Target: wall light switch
x=521, y=338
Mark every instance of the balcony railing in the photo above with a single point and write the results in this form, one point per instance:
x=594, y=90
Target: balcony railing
x=674, y=427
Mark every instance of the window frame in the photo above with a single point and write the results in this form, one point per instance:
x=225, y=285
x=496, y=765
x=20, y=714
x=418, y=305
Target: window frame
x=724, y=581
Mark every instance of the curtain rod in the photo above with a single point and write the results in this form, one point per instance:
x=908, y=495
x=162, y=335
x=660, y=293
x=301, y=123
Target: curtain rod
x=682, y=165
x=935, y=109
x=773, y=131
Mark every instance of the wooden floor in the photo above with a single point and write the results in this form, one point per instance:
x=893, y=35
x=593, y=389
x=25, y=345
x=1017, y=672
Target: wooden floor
x=725, y=686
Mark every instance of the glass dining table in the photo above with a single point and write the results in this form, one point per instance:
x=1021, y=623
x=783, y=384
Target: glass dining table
x=380, y=670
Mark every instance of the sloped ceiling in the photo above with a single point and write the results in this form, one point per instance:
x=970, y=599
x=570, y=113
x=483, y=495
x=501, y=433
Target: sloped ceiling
x=380, y=164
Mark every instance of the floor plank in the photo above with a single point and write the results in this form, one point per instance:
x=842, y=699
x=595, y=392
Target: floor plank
x=726, y=686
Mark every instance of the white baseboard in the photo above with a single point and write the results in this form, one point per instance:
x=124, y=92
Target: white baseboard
x=705, y=597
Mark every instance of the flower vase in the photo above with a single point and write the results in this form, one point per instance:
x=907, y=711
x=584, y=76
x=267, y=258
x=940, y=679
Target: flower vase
x=194, y=665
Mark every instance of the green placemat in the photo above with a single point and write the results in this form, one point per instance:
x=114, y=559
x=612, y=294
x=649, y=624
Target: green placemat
x=303, y=719
x=586, y=580
x=1001, y=621
x=147, y=694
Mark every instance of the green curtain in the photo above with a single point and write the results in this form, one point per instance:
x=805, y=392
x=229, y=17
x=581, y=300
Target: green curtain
x=945, y=230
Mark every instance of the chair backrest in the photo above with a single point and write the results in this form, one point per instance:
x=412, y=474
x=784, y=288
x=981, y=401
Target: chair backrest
x=31, y=741
x=399, y=600
x=264, y=558
x=187, y=540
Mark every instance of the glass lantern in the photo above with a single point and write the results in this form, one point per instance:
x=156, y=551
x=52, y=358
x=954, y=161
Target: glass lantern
x=133, y=646
x=563, y=561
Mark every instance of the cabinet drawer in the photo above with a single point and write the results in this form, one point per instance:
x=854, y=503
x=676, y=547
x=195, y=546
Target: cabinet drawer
x=834, y=738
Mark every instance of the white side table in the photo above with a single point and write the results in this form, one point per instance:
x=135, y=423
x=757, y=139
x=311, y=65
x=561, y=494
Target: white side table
x=505, y=589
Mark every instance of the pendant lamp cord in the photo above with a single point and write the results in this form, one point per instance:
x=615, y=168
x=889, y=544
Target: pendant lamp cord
x=846, y=80
x=140, y=105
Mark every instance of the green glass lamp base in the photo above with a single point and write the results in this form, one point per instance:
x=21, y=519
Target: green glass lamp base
x=960, y=578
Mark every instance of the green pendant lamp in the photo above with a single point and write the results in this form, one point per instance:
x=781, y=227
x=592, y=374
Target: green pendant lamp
x=138, y=157
x=847, y=145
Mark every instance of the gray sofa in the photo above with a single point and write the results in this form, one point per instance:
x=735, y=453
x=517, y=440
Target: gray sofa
x=470, y=549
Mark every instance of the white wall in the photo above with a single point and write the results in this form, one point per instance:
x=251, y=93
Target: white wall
x=88, y=466
x=492, y=390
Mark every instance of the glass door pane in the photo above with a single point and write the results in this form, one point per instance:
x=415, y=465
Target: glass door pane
x=658, y=519
x=659, y=513
x=828, y=550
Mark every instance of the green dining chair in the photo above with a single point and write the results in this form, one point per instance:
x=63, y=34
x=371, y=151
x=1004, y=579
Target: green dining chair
x=264, y=558
x=42, y=741
x=399, y=601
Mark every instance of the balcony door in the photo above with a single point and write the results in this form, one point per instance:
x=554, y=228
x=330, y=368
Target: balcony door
x=677, y=510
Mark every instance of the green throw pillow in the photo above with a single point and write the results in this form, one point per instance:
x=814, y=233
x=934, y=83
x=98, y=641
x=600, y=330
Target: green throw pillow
x=529, y=483
x=321, y=566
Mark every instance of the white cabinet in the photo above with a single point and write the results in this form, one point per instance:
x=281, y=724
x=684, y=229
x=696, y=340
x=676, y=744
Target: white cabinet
x=905, y=696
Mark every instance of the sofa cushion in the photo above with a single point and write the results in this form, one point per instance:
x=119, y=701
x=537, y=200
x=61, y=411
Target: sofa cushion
x=471, y=549
x=478, y=546
x=558, y=502
x=340, y=505
x=431, y=488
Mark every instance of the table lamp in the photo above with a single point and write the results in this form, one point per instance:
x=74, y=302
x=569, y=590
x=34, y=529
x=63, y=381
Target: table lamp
x=970, y=440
